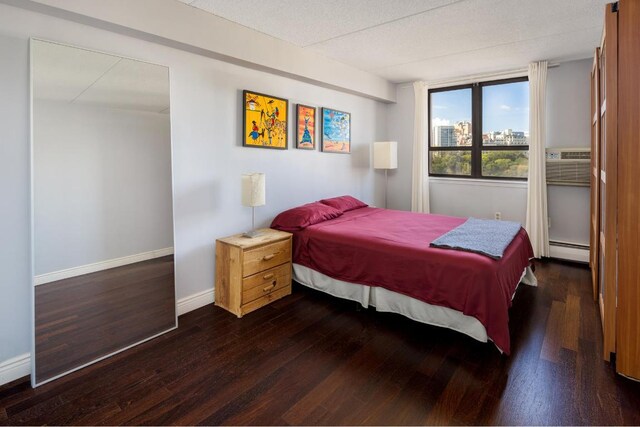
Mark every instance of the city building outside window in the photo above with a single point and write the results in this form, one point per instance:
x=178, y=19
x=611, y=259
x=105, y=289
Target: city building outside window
x=480, y=130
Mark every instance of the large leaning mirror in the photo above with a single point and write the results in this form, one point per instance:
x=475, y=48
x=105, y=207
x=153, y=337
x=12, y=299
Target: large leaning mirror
x=102, y=206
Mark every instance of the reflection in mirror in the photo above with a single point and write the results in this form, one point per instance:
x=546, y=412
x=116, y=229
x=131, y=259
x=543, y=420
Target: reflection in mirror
x=102, y=206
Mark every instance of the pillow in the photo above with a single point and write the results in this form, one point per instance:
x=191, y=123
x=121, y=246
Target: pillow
x=303, y=216
x=344, y=203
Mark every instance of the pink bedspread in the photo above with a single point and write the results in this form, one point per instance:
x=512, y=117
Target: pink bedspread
x=388, y=248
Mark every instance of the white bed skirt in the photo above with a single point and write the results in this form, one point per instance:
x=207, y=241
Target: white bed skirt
x=388, y=301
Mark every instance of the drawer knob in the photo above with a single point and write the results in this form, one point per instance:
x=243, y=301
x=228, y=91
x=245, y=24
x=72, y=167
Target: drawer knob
x=268, y=288
x=268, y=276
x=268, y=257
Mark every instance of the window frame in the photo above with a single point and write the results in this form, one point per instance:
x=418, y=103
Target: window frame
x=476, y=147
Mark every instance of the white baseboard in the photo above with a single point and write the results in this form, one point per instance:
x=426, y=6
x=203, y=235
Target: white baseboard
x=570, y=254
x=20, y=366
x=99, y=266
x=195, y=301
x=14, y=368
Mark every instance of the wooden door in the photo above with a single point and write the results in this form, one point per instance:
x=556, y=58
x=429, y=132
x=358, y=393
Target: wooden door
x=628, y=310
x=608, y=250
x=594, y=234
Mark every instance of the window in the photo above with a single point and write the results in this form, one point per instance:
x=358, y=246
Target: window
x=480, y=130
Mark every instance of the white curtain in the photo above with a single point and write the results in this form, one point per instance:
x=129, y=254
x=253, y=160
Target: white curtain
x=537, y=219
x=420, y=173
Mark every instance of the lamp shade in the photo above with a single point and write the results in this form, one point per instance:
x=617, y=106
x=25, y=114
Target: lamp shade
x=385, y=155
x=253, y=189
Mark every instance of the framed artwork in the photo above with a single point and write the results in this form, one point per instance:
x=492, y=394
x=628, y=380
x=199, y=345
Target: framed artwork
x=264, y=121
x=336, y=131
x=305, y=127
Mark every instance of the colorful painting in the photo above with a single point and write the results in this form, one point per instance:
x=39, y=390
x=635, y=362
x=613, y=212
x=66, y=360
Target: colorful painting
x=264, y=121
x=336, y=131
x=305, y=127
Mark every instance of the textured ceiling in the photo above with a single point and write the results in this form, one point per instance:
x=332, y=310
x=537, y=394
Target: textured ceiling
x=404, y=40
x=80, y=76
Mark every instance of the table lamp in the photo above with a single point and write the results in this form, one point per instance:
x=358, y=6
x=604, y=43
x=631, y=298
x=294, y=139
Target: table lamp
x=253, y=194
x=385, y=156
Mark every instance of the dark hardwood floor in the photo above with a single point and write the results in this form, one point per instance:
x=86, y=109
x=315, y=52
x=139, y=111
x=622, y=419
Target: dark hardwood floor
x=314, y=359
x=83, y=318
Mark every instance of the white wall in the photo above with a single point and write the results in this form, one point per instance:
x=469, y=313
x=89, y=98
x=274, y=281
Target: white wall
x=567, y=126
x=568, y=119
x=479, y=198
x=400, y=126
x=102, y=184
x=208, y=158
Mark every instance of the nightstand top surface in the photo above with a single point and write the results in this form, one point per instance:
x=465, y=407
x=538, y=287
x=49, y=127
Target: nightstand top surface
x=267, y=235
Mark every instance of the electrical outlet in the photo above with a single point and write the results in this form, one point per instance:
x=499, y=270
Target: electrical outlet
x=498, y=216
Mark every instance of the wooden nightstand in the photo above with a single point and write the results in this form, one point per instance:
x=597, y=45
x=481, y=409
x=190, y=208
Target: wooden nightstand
x=252, y=272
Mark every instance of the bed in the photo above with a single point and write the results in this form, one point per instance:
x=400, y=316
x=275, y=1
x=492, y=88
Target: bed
x=382, y=258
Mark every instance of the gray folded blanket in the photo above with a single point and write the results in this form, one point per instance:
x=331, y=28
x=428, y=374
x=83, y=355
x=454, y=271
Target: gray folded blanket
x=483, y=236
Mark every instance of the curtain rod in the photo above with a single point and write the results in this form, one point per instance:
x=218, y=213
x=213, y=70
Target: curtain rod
x=476, y=77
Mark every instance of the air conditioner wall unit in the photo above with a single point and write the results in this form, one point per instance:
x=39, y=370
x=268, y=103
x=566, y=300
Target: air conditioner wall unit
x=568, y=166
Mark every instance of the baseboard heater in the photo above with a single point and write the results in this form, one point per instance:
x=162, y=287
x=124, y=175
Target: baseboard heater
x=569, y=251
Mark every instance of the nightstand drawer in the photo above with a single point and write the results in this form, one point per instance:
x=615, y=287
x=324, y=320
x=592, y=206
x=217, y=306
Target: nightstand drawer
x=262, y=301
x=266, y=257
x=265, y=282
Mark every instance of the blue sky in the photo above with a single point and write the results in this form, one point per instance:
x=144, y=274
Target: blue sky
x=503, y=106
